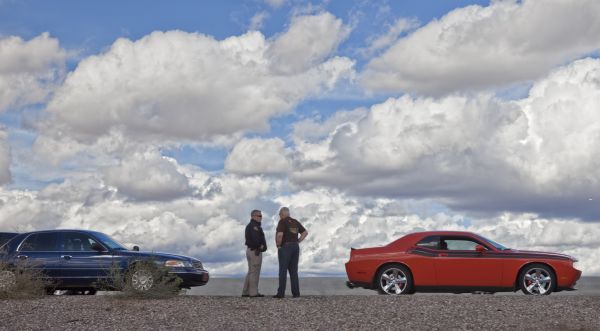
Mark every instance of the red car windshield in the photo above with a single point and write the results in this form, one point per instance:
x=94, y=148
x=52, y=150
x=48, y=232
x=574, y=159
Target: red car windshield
x=495, y=244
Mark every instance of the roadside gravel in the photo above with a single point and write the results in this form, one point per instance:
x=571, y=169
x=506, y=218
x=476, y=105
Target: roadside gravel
x=416, y=312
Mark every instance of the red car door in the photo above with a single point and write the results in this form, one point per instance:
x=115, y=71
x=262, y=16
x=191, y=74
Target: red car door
x=458, y=263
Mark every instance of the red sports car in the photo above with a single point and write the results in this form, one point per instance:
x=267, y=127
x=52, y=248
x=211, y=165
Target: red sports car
x=458, y=262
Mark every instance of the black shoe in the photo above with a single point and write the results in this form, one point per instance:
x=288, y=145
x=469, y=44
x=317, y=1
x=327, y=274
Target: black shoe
x=277, y=296
x=257, y=296
x=245, y=295
x=296, y=295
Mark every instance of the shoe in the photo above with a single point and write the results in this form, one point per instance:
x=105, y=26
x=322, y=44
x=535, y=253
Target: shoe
x=257, y=296
x=296, y=296
x=245, y=295
x=277, y=296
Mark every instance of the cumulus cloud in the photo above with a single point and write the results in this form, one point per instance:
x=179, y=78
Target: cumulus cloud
x=480, y=47
x=179, y=86
x=476, y=153
x=211, y=227
x=29, y=70
x=258, y=156
x=148, y=176
x=307, y=42
x=400, y=26
x=337, y=222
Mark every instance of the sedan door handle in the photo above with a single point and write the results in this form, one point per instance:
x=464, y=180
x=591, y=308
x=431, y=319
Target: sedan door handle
x=443, y=254
x=22, y=257
x=66, y=257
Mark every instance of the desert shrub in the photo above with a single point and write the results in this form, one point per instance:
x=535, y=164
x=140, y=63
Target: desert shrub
x=147, y=278
x=23, y=280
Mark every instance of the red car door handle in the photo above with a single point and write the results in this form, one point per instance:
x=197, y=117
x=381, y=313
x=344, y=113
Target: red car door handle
x=443, y=254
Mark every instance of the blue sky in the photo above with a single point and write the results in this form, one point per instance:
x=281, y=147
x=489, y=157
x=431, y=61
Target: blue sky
x=369, y=119
x=87, y=28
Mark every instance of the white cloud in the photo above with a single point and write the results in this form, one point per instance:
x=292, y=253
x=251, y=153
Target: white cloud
x=400, y=26
x=476, y=153
x=337, y=222
x=178, y=86
x=480, y=47
x=29, y=69
x=148, y=176
x=258, y=156
x=211, y=227
x=307, y=42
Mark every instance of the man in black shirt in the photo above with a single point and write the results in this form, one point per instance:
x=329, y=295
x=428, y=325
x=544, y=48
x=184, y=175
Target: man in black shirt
x=255, y=240
x=288, y=251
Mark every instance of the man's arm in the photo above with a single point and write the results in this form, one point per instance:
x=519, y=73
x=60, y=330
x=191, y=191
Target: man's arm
x=302, y=236
x=279, y=239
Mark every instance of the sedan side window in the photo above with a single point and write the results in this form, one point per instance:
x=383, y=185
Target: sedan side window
x=76, y=242
x=39, y=242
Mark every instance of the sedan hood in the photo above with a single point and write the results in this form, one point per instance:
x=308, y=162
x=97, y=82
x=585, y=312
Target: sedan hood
x=159, y=255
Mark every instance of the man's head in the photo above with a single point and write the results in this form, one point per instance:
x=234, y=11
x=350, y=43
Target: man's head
x=256, y=215
x=284, y=212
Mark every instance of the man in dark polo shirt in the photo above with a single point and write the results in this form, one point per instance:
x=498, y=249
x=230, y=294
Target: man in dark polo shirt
x=288, y=251
x=255, y=241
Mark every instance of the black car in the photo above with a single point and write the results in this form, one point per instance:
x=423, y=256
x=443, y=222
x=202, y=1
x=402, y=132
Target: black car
x=79, y=260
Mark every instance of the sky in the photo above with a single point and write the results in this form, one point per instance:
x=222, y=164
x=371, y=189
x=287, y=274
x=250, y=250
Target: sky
x=163, y=124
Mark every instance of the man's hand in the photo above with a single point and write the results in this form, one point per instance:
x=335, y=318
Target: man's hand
x=302, y=236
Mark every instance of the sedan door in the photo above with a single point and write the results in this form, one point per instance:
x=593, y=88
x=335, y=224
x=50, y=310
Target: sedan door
x=81, y=264
x=459, y=264
x=39, y=251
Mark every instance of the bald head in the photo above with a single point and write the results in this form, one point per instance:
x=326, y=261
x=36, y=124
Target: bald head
x=284, y=212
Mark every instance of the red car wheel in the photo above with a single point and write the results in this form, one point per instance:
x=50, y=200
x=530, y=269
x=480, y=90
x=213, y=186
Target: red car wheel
x=537, y=279
x=394, y=279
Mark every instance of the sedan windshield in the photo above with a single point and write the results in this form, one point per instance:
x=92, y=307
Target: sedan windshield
x=495, y=244
x=110, y=242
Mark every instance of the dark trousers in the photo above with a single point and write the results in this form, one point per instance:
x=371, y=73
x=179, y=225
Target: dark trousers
x=288, y=256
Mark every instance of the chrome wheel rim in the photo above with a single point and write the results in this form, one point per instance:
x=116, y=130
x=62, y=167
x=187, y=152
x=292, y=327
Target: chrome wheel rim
x=537, y=281
x=393, y=281
x=142, y=280
x=7, y=280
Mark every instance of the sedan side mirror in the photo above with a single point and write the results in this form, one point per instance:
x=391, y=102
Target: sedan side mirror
x=97, y=247
x=480, y=249
x=136, y=248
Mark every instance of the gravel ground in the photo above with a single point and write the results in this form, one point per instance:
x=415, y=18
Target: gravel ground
x=416, y=312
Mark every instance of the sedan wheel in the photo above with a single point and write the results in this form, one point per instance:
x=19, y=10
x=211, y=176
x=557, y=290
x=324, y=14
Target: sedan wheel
x=142, y=280
x=8, y=280
x=395, y=279
x=537, y=280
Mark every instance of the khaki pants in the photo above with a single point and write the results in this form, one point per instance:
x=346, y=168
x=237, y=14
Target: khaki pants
x=254, y=264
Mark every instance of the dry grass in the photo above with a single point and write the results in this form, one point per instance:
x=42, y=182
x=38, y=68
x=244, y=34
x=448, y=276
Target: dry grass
x=23, y=280
x=130, y=284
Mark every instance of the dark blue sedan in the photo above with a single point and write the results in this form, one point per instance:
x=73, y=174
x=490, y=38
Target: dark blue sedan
x=79, y=259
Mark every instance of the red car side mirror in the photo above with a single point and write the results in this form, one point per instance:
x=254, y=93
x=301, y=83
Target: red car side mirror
x=480, y=249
